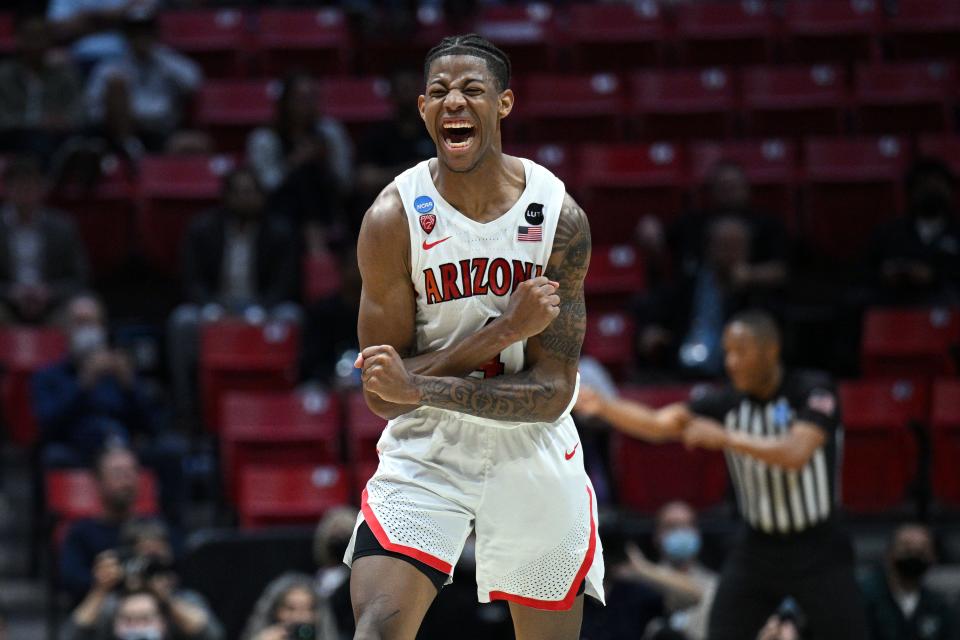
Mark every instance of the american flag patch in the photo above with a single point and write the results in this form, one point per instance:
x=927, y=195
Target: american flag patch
x=530, y=234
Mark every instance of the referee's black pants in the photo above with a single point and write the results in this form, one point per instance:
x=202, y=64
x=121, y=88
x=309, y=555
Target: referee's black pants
x=815, y=567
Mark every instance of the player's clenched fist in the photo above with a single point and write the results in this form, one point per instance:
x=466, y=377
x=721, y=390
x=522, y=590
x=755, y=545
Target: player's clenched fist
x=384, y=374
x=533, y=305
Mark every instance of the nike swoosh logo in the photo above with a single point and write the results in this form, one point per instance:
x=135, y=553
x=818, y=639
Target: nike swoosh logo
x=570, y=454
x=430, y=245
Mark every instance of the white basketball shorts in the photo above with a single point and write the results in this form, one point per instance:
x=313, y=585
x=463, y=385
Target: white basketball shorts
x=522, y=489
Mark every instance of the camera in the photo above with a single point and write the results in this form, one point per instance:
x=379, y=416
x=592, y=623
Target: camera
x=301, y=631
x=143, y=567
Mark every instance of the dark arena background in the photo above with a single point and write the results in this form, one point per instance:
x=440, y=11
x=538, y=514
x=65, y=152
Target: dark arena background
x=181, y=416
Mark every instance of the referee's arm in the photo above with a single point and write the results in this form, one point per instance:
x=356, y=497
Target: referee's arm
x=792, y=451
x=632, y=418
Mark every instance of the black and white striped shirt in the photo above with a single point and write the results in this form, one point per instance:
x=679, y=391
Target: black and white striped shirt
x=772, y=499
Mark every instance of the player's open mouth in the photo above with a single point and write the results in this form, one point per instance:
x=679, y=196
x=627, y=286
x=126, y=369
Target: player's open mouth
x=457, y=135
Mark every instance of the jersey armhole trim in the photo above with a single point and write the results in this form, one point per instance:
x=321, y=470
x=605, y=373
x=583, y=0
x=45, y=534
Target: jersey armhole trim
x=567, y=602
x=378, y=532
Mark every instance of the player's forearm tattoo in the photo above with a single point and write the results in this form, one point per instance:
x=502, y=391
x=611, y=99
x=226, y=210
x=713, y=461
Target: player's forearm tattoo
x=527, y=396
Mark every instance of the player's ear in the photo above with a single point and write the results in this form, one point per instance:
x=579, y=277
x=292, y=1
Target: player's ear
x=506, y=103
x=421, y=104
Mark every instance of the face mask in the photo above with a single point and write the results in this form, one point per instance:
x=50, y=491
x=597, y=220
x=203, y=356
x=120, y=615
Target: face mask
x=141, y=634
x=682, y=544
x=84, y=340
x=911, y=568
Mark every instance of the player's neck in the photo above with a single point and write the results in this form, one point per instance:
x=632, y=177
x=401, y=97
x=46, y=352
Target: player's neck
x=482, y=193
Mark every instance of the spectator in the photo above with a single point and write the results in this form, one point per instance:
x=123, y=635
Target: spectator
x=92, y=24
x=898, y=605
x=682, y=324
x=117, y=474
x=143, y=562
x=138, y=99
x=330, y=544
x=42, y=261
x=331, y=337
x=687, y=586
x=915, y=259
x=393, y=146
x=304, y=160
x=39, y=98
x=288, y=603
x=237, y=260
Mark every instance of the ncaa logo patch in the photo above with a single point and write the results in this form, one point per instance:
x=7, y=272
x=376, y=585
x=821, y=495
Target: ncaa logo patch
x=423, y=204
x=427, y=222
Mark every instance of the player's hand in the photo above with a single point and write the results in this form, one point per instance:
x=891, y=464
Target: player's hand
x=533, y=306
x=705, y=434
x=384, y=374
x=589, y=403
x=673, y=419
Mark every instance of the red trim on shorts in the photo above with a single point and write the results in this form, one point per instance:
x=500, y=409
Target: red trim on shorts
x=381, y=536
x=567, y=602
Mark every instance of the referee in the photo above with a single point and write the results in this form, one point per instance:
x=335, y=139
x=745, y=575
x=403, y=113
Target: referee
x=781, y=433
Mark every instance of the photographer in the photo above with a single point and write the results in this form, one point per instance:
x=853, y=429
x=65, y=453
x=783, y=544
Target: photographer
x=289, y=609
x=143, y=565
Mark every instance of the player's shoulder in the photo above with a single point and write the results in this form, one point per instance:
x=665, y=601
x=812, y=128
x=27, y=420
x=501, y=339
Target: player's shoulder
x=572, y=219
x=386, y=216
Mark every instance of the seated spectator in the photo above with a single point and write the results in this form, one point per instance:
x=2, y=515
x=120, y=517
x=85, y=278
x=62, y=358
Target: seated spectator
x=39, y=97
x=143, y=562
x=288, y=604
x=681, y=324
x=686, y=585
x=91, y=26
x=898, y=605
x=237, y=261
x=117, y=474
x=138, y=99
x=915, y=259
x=42, y=260
x=304, y=161
x=330, y=542
x=683, y=247
x=391, y=147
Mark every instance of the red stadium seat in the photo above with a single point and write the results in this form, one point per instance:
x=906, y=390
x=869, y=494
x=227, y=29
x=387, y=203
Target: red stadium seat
x=104, y=215
x=616, y=36
x=905, y=97
x=562, y=160
x=7, y=40
x=363, y=429
x=362, y=472
x=277, y=428
x=387, y=51
x=616, y=273
x=356, y=102
x=230, y=109
x=945, y=425
x=526, y=32
x=321, y=277
x=290, y=494
x=649, y=475
x=910, y=342
x=924, y=29
x=609, y=339
x=793, y=101
x=72, y=494
x=771, y=166
x=238, y=356
x=23, y=352
x=832, y=30
x=571, y=108
x=683, y=104
x=317, y=40
x=851, y=186
x=716, y=32
x=877, y=415
x=173, y=189
x=622, y=183
x=215, y=38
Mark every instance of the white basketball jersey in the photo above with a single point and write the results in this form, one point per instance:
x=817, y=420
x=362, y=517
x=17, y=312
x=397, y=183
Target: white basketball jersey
x=464, y=272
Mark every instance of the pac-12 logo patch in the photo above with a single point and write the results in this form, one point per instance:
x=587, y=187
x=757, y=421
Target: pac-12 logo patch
x=428, y=221
x=534, y=214
x=423, y=204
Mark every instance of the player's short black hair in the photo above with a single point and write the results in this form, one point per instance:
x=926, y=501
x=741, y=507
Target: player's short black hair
x=927, y=166
x=761, y=324
x=472, y=44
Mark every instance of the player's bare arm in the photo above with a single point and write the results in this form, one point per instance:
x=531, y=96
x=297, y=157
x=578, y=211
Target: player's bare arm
x=543, y=390
x=792, y=451
x=387, y=307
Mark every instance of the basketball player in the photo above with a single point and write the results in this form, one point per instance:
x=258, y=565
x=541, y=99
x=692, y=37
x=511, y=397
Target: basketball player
x=781, y=432
x=471, y=352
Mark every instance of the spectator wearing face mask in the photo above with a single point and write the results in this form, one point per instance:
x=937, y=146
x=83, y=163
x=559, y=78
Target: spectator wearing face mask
x=686, y=585
x=915, y=259
x=330, y=543
x=289, y=609
x=139, y=616
x=898, y=605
